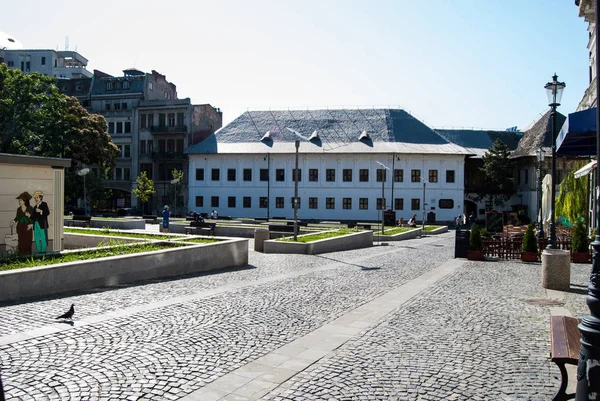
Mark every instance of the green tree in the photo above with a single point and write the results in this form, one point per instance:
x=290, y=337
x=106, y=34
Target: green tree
x=498, y=171
x=35, y=119
x=571, y=200
x=144, y=188
x=529, y=241
x=177, y=186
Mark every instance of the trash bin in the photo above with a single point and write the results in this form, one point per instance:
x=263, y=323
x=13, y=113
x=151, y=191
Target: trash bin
x=431, y=218
x=389, y=218
x=461, y=243
x=260, y=236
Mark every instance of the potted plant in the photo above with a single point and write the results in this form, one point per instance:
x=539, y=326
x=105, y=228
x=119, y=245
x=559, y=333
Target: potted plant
x=529, y=249
x=475, y=251
x=580, y=246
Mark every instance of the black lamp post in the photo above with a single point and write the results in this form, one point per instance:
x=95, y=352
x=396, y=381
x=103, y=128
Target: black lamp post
x=383, y=174
x=554, y=92
x=296, y=174
x=540, y=158
x=588, y=370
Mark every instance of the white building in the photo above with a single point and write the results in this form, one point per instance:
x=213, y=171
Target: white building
x=58, y=64
x=246, y=168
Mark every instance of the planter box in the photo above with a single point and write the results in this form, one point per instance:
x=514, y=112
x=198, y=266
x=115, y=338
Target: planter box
x=122, y=224
x=440, y=230
x=475, y=255
x=529, y=256
x=580, y=257
x=361, y=239
x=114, y=270
x=414, y=233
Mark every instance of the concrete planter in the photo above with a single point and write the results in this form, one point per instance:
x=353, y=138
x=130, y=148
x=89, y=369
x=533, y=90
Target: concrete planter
x=361, y=239
x=414, y=233
x=440, y=230
x=78, y=241
x=114, y=270
x=124, y=224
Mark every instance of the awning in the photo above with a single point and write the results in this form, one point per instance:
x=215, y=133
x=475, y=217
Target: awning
x=585, y=170
x=578, y=134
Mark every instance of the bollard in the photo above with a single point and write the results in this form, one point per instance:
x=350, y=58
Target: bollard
x=556, y=269
x=260, y=236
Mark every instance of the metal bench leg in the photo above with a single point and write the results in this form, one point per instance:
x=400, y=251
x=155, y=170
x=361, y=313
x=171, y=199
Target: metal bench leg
x=561, y=395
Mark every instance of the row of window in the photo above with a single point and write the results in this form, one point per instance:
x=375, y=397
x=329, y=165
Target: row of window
x=164, y=120
x=120, y=174
x=110, y=85
x=313, y=175
x=119, y=127
x=164, y=145
x=313, y=203
x=116, y=105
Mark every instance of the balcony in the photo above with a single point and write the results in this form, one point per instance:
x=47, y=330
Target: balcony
x=167, y=155
x=161, y=129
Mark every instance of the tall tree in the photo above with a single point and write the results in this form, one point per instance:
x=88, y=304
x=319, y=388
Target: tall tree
x=35, y=119
x=498, y=171
x=144, y=189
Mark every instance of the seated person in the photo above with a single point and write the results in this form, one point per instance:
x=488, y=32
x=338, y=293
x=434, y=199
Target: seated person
x=400, y=222
x=197, y=216
x=413, y=221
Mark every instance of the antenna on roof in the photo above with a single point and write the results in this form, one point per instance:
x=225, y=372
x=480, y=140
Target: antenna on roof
x=66, y=43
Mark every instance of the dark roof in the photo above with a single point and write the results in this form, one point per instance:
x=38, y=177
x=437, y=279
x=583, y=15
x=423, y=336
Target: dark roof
x=539, y=135
x=479, y=141
x=388, y=130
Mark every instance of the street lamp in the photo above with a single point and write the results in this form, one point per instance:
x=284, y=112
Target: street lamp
x=383, y=174
x=82, y=173
x=296, y=174
x=554, y=92
x=424, y=186
x=589, y=356
x=540, y=159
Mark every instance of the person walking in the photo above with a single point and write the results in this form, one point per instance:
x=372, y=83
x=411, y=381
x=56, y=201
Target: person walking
x=166, y=213
x=472, y=219
x=459, y=220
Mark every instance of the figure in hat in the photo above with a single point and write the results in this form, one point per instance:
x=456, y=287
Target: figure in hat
x=24, y=223
x=40, y=221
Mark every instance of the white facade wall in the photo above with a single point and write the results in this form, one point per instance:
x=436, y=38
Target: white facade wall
x=323, y=189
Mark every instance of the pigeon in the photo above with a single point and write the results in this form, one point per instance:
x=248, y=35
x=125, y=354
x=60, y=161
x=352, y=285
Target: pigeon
x=68, y=314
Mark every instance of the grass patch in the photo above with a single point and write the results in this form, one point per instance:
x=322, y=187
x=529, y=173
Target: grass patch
x=108, y=233
x=431, y=228
x=319, y=236
x=396, y=230
x=22, y=262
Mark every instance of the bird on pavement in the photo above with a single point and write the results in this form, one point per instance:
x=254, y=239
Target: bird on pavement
x=68, y=314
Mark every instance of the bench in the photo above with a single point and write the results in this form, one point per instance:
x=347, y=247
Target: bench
x=364, y=226
x=150, y=219
x=198, y=227
x=281, y=229
x=564, y=349
x=300, y=223
x=78, y=220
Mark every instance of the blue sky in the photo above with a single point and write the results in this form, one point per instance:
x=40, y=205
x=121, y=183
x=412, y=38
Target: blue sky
x=459, y=63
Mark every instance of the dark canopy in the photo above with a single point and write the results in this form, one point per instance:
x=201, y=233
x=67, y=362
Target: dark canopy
x=578, y=134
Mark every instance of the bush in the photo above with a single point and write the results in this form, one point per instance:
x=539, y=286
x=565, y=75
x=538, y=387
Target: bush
x=580, y=240
x=484, y=233
x=475, y=243
x=529, y=240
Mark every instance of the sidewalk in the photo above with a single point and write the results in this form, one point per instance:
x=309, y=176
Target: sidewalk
x=400, y=322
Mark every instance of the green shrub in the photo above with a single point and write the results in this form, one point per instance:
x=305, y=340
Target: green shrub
x=580, y=240
x=529, y=240
x=484, y=233
x=475, y=243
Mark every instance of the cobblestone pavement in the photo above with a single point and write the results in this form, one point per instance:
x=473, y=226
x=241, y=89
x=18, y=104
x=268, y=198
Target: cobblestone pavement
x=478, y=334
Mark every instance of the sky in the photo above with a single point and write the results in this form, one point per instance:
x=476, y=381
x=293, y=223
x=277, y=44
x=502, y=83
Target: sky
x=450, y=63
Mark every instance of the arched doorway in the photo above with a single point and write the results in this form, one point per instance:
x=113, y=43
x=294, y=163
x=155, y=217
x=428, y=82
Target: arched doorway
x=470, y=207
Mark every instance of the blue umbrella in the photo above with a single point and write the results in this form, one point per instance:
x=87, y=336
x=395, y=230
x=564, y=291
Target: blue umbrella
x=577, y=137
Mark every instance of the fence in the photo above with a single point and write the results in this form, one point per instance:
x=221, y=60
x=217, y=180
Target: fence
x=507, y=247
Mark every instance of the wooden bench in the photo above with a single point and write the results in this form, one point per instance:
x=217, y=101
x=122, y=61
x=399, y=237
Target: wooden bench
x=197, y=227
x=78, y=220
x=564, y=349
x=150, y=219
x=300, y=223
x=281, y=229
